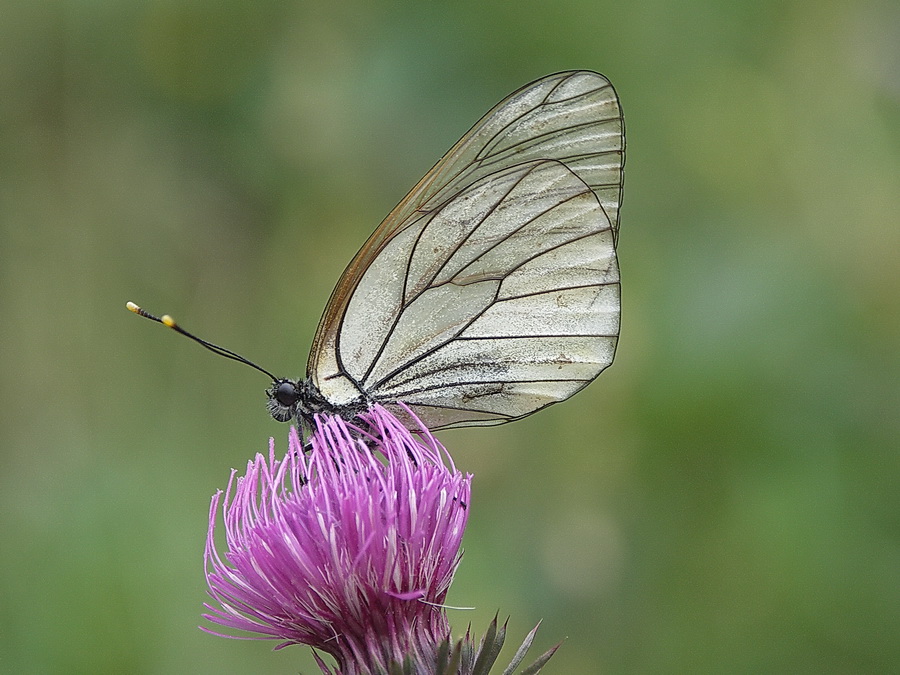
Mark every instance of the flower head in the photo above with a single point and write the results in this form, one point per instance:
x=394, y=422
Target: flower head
x=348, y=545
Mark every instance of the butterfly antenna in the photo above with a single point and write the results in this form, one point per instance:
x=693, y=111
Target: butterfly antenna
x=167, y=320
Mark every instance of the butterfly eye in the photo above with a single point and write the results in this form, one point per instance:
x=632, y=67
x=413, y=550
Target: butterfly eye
x=286, y=394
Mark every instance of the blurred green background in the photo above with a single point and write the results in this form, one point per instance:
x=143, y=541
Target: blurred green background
x=725, y=499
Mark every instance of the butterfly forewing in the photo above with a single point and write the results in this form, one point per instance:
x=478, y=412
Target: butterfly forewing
x=492, y=289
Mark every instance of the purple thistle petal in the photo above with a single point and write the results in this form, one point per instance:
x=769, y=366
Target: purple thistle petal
x=350, y=548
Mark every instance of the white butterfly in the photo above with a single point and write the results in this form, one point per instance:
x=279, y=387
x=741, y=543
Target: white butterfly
x=492, y=289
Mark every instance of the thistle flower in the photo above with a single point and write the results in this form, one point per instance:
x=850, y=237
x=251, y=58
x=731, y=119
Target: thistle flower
x=348, y=545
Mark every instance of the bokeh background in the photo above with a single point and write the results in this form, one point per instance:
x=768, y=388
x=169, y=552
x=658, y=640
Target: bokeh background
x=724, y=499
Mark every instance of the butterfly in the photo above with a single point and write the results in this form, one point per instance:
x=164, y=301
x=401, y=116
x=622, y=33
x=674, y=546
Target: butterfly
x=492, y=289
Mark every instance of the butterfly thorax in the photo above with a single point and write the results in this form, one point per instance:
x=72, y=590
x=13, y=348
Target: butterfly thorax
x=301, y=400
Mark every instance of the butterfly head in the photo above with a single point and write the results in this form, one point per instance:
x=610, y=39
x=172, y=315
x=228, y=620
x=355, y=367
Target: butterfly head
x=284, y=397
x=300, y=400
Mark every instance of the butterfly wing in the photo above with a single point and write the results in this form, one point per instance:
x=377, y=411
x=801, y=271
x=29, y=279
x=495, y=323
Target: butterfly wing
x=492, y=289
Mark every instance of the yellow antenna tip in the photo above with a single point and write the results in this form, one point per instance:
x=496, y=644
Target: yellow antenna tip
x=133, y=307
x=167, y=320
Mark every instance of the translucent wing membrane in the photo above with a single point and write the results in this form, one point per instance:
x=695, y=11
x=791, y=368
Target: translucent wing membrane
x=492, y=289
